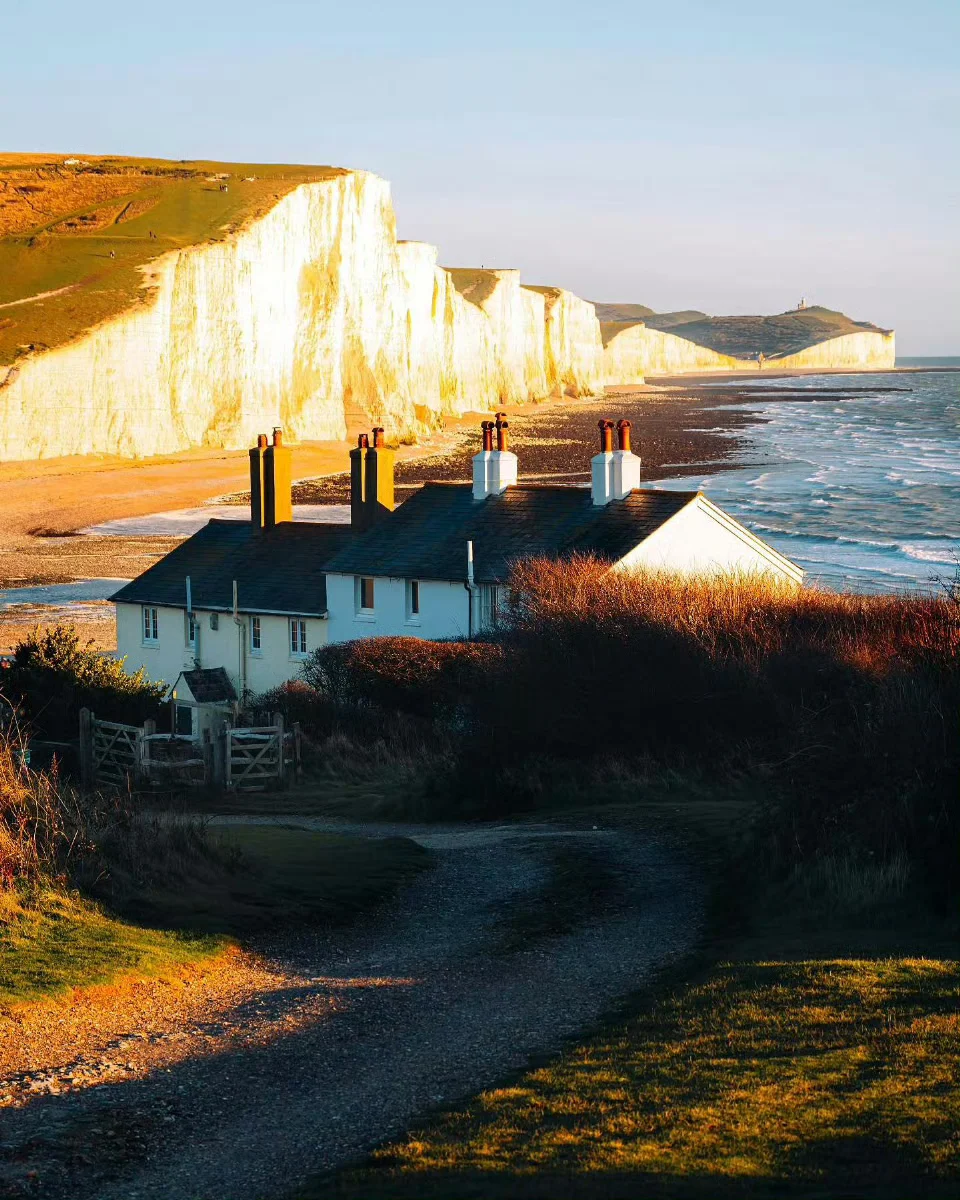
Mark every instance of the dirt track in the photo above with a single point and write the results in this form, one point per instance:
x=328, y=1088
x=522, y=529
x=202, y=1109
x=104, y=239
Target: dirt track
x=309, y=1050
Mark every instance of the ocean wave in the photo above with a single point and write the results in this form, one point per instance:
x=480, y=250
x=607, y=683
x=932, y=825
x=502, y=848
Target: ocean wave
x=933, y=554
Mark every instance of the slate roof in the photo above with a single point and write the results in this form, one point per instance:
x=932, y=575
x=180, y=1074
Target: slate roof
x=209, y=685
x=426, y=537
x=281, y=570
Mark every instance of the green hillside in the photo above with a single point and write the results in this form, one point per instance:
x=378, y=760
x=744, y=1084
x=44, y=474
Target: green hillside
x=75, y=231
x=741, y=337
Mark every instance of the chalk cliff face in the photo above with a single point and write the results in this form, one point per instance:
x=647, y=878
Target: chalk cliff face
x=852, y=351
x=313, y=310
x=637, y=351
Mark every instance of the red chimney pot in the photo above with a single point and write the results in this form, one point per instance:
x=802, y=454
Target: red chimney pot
x=503, y=436
x=377, y=437
x=623, y=434
x=277, y=435
x=606, y=436
x=261, y=441
x=487, y=427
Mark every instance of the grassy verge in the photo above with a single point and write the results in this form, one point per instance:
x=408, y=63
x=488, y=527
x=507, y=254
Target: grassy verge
x=55, y=941
x=296, y=874
x=823, y=1074
x=52, y=940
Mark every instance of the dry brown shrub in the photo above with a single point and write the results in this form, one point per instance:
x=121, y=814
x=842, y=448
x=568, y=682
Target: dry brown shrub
x=402, y=674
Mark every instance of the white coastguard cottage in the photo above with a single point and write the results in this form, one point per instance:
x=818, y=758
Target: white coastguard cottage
x=236, y=608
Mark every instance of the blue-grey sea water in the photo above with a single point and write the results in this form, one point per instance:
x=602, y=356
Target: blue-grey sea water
x=861, y=492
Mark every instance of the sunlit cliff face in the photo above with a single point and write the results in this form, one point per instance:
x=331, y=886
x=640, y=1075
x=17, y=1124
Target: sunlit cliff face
x=311, y=310
x=315, y=310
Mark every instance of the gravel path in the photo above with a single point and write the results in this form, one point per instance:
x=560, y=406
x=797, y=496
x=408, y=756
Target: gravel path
x=301, y=1054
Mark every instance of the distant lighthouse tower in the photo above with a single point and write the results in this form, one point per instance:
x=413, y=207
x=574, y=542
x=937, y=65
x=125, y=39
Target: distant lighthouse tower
x=803, y=304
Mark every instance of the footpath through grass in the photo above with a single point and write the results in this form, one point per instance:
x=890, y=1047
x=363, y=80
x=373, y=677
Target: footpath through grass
x=823, y=1075
x=812, y=1054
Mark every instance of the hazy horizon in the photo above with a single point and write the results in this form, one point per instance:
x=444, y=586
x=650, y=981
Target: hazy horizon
x=730, y=160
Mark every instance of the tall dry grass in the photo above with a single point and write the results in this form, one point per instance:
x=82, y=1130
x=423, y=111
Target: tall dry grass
x=845, y=708
x=52, y=836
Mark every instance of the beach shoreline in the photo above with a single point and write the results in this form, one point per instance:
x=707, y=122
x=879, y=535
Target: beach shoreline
x=682, y=425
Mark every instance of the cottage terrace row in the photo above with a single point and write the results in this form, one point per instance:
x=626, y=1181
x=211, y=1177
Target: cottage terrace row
x=236, y=608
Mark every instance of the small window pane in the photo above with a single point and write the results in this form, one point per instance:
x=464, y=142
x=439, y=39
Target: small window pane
x=366, y=593
x=185, y=720
x=414, y=597
x=254, y=633
x=298, y=637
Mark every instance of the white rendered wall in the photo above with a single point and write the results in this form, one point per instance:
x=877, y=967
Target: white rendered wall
x=219, y=647
x=444, y=611
x=699, y=540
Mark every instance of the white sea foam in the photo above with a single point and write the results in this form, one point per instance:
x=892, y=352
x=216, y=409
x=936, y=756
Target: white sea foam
x=932, y=553
x=867, y=487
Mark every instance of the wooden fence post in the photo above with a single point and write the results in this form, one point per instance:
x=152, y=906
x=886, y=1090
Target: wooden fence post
x=86, y=750
x=297, y=750
x=209, y=764
x=149, y=728
x=282, y=763
x=221, y=757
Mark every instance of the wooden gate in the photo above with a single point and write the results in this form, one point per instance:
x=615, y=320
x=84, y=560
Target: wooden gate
x=254, y=757
x=114, y=752
x=260, y=756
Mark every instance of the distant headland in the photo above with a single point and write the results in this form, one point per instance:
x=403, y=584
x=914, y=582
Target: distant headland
x=639, y=341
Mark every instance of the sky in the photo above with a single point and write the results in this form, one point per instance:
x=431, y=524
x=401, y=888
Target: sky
x=730, y=157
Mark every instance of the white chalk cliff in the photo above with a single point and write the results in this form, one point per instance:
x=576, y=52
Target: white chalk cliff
x=636, y=351
x=312, y=310
x=315, y=310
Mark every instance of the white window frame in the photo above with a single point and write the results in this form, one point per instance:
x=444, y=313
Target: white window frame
x=411, y=600
x=297, y=634
x=149, y=625
x=256, y=636
x=190, y=624
x=362, y=613
x=491, y=600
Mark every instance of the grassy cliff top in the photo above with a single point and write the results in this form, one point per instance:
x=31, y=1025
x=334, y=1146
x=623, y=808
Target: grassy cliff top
x=76, y=229
x=741, y=337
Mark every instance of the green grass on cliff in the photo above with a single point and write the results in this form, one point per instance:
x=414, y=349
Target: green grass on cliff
x=85, y=231
x=740, y=337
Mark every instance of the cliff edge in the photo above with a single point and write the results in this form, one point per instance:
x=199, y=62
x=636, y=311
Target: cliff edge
x=302, y=306
x=147, y=307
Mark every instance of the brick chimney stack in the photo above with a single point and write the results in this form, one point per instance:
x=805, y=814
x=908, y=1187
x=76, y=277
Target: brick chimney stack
x=277, y=482
x=494, y=470
x=371, y=480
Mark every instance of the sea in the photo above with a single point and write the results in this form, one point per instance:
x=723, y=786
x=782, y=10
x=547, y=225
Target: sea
x=863, y=492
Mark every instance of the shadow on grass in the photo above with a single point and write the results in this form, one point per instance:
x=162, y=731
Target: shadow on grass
x=876, y=1173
